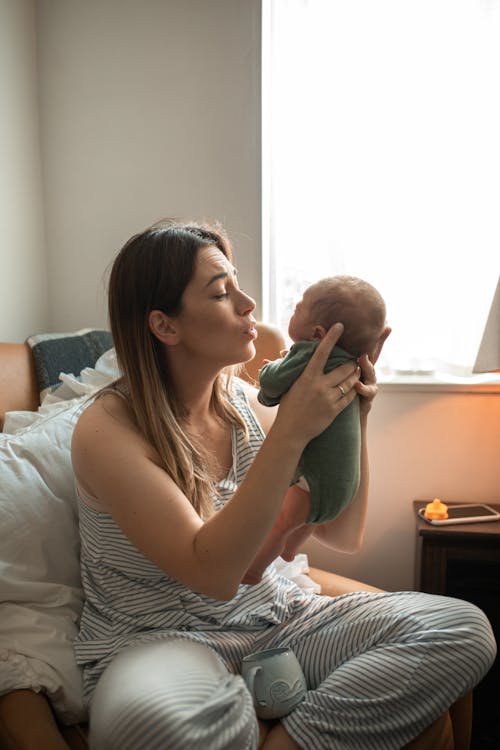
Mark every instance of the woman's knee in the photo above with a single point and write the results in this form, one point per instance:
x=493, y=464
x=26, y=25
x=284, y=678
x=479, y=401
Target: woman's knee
x=483, y=639
x=465, y=629
x=171, y=695
x=476, y=627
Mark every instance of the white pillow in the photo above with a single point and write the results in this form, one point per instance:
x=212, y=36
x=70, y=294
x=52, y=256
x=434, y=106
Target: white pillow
x=40, y=589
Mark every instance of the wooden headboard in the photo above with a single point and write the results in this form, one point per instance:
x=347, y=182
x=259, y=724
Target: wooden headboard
x=18, y=386
x=19, y=389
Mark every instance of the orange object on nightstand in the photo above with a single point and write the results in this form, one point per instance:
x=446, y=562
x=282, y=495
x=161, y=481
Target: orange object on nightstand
x=436, y=511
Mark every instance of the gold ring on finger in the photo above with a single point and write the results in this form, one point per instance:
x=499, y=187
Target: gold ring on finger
x=342, y=392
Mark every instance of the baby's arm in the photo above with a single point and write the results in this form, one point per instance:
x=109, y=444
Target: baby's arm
x=277, y=377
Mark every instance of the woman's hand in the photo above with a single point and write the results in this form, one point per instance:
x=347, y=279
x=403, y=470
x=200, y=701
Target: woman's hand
x=367, y=385
x=316, y=398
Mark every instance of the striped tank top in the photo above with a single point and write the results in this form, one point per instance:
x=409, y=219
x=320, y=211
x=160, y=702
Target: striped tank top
x=129, y=600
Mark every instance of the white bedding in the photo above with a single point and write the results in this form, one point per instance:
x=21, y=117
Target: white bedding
x=40, y=589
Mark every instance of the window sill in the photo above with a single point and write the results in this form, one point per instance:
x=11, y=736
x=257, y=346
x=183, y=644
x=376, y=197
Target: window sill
x=439, y=383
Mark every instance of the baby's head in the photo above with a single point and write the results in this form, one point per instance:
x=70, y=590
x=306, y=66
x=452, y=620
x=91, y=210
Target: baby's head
x=340, y=299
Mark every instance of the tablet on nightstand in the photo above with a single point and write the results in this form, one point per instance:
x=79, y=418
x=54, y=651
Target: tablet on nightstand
x=473, y=513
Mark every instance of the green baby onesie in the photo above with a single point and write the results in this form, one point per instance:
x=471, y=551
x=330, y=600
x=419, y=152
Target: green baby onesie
x=330, y=462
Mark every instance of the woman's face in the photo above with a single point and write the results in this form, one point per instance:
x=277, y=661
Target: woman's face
x=216, y=319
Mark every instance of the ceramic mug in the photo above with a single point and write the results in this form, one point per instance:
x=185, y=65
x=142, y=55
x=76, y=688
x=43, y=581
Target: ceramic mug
x=275, y=680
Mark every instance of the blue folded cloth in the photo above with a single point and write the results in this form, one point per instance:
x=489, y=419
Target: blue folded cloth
x=54, y=353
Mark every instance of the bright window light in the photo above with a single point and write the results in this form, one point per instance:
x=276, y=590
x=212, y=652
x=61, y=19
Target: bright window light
x=381, y=159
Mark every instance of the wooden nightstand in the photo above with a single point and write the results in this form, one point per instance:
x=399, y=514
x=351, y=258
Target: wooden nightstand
x=463, y=560
x=443, y=551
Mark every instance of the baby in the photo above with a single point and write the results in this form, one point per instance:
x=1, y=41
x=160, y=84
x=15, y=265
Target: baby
x=327, y=476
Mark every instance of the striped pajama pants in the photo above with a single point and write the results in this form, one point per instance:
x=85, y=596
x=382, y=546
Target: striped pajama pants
x=379, y=669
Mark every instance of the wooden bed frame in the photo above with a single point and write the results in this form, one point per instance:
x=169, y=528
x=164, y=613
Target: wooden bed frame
x=26, y=718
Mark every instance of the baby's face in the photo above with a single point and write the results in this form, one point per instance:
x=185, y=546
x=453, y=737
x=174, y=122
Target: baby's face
x=301, y=326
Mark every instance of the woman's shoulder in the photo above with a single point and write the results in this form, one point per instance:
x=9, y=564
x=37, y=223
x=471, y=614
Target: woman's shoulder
x=108, y=409
x=107, y=425
x=106, y=436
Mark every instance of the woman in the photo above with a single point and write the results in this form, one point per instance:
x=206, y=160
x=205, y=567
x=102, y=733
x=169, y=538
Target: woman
x=178, y=489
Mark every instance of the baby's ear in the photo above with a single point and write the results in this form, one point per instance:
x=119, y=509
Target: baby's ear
x=380, y=343
x=318, y=333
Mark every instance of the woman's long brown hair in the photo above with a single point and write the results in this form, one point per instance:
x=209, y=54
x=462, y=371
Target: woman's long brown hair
x=151, y=272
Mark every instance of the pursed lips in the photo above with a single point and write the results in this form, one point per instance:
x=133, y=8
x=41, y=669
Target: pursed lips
x=251, y=331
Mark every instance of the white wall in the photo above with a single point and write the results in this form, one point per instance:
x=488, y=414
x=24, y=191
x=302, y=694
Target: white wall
x=23, y=272
x=148, y=109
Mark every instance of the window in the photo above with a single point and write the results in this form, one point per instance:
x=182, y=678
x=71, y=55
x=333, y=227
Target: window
x=381, y=159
